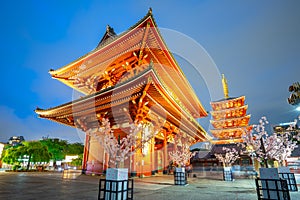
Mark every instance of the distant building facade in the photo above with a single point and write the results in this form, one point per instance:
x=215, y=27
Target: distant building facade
x=1, y=150
x=15, y=140
x=286, y=127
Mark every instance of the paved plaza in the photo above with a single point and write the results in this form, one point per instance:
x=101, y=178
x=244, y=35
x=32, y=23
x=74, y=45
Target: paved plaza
x=73, y=185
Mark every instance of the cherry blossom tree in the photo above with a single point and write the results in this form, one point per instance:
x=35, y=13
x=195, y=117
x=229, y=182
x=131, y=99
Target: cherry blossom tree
x=294, y=130
x=182, y=154
x=229, y=157
x=121, y=149
x=286, y=149
x=268, y=147
x=289, y=140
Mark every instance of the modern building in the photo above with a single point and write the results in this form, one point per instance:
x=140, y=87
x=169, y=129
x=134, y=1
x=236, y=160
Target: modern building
x=290, y=127
x=130, y=78
x=15, y=140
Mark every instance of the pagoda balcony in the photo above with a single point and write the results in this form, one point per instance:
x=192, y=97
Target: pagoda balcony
x=230, y=123
x=228, y=103
x=229, y=113
x=232, y=133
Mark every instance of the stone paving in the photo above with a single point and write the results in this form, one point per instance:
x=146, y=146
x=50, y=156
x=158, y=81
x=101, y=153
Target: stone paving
x=73, y=185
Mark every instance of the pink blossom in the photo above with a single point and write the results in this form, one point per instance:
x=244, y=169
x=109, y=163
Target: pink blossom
x=182, y=154
x=229, y=156
x=276, y=146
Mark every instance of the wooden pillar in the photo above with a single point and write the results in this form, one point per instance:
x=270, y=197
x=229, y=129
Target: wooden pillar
x=166, y=162
x=152, y=154
x=106, y=161
x=86, y=152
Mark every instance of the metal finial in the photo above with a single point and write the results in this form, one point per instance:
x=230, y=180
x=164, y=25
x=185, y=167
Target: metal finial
x=225, y=87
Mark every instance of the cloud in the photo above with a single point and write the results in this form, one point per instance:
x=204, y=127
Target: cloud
x=33, y=128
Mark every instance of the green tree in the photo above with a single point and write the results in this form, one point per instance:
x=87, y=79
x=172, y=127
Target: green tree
x=35, y=151
x=75, y=149
x=77, y=161
x=60, y=148
x=43, y=151
x=11, y=155
x=57, y=148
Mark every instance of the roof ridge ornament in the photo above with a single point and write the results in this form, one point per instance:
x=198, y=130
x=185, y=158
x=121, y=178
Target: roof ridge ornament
x=108, y=35
x=107, y=27
x=110, y=30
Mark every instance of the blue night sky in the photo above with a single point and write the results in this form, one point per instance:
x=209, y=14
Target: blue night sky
x=256, y=44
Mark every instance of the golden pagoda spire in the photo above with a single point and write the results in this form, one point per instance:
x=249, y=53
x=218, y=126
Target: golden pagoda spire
x=225, y=86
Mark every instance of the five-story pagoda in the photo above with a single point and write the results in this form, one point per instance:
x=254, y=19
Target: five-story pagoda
x=130, y=78
x=229, y=118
